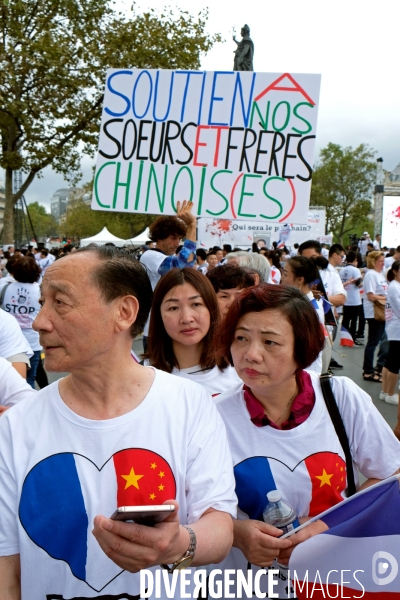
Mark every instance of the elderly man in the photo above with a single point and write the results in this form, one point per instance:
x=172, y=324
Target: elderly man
x=112, y=433
x=251, y=260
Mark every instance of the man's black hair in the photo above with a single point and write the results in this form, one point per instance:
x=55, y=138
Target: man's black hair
x=310, y=244
x=335, y=249
x=227, y=277
x=120, y=274
x=351, y=256
x=201, y=253
x=165, y=226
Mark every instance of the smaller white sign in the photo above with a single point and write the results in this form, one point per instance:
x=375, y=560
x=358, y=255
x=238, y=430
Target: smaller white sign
x=391, y=221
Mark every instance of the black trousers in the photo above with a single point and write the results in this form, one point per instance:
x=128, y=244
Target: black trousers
x=350, y=319
x=376, y=330
x=41, y=376
x=361, y=320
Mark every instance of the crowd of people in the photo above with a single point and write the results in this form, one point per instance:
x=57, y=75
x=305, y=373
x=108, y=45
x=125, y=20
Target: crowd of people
x=224, y=406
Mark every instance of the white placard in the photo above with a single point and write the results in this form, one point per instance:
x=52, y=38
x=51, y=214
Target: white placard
x=215, y=232
x=391, y=221
x=240, y=145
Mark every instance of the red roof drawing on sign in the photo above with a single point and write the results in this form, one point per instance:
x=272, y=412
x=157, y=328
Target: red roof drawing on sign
x=282, y=88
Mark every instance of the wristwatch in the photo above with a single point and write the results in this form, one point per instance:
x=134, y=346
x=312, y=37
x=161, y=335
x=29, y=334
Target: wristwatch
x=187, y=558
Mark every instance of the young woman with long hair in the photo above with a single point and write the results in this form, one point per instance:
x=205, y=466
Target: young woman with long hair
x=182, y=333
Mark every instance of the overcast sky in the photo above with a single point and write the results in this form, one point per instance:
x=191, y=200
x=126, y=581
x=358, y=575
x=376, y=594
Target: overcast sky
x=352, y=44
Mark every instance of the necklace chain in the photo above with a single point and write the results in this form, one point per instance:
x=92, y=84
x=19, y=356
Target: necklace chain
x=286, y=407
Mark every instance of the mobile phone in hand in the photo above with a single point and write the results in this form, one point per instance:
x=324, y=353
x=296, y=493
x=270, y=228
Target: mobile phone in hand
x=143, y=515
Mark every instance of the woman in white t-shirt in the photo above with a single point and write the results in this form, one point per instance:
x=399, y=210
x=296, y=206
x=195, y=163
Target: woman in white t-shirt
x=352, y=279
x=375, y=290
x=274, y=260
x=13, y=387
x=21, y=300
x=302, y=273
x=182, y=332
x=279, y=429
x=392, y=366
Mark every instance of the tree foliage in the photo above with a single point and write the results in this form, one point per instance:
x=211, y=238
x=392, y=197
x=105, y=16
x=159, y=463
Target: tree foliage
x=53, y=59
x=342, y=183
x=81, y=222
x=44, y=225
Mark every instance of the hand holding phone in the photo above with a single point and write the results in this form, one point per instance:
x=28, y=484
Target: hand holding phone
x=134, y=547
x=143, y=515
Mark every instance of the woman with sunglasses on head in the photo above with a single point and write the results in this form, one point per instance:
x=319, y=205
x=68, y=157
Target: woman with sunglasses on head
x=182, y=333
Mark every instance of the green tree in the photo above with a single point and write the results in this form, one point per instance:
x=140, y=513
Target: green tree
x=53, y=59
x=81, y=222
x=342, y=183
x=44, y=224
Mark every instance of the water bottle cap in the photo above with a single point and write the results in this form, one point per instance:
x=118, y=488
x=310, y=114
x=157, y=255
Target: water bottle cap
x=274, y=496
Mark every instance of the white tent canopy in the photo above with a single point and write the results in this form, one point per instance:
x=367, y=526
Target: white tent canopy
x=140, y=239
x=104, y=237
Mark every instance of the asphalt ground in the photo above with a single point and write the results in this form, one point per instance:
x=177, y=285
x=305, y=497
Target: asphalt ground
x=350, y=358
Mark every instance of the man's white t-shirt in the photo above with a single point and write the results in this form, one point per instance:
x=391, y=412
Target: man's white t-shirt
x=325, y=253
x=392, y=312
x=353, y=291
x=332, y=282
x=13, y=387
x=12, y=341
x=59, y=470
x=375, y=243
x=152, y=260
x=363, y=246
x=21, y=301
x=213, y=380
x=388, y=262
x=307, y=463
x=376, y=283
x=44, y=263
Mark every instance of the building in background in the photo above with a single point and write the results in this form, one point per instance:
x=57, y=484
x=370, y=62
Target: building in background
x=59, y=201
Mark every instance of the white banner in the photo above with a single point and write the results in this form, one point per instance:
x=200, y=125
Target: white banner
x=391, y=221
x=215, y=232
x=240, y=145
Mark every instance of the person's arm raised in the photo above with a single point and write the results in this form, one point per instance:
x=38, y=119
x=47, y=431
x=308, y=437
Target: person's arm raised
x=187, y=255
x=184, y=213
x=10, y=577
x=134, y=547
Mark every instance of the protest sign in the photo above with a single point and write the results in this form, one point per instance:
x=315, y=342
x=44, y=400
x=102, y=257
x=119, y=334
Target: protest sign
x=215, y=232
x=238, y=144
x=391, y=221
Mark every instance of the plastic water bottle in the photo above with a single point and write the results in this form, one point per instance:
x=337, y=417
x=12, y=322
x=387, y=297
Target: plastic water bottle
x=279, y=514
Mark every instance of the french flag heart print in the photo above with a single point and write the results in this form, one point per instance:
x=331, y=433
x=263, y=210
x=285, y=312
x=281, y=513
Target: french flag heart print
x=63, y=493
